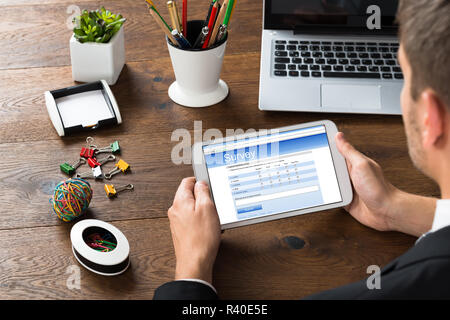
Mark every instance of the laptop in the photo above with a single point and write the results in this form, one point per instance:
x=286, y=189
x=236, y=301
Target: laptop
x=321, y=56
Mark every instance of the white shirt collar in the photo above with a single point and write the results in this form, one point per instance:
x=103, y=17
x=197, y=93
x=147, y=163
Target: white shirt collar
x=441, y=215
x=441, y=218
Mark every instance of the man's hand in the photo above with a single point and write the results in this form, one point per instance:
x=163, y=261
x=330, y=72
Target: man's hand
x=372, y=197
x=195, y=228
x=377, y=203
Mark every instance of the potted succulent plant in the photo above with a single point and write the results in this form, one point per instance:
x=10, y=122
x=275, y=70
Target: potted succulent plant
x=97, y=47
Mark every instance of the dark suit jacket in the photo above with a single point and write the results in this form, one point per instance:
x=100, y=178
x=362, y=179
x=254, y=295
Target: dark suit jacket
x=423, y=272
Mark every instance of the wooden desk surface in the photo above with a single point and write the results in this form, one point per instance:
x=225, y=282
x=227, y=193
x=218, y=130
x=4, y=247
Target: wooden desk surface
x=255, y=262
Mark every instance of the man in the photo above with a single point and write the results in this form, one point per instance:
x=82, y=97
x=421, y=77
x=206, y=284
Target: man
x=424, y=270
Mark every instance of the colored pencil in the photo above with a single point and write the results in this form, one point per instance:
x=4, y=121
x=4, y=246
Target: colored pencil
x=152, y=7
x=212, y=19
x=232, y=10
x=228, y=13
x=219, y=20
x=209, y=13
x=160, y=21
x=180, y=23
x=173, y=14
x=185, y=18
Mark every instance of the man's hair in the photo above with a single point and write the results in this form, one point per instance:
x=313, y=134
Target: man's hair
x=424, y=34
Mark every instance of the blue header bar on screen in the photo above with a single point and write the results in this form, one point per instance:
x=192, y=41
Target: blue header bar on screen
x=265, y=150
x=268, y=136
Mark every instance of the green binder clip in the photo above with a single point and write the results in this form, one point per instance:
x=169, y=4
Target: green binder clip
x=113, y=148
x=70, y=169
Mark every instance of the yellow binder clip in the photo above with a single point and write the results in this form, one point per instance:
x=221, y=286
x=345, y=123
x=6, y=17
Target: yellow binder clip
x=121, y=166
x=111, y=190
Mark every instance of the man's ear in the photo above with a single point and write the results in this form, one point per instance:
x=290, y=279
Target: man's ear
x=434, y=119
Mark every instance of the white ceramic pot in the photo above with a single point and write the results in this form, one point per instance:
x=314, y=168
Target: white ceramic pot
x=98, y=61
x=197, y=74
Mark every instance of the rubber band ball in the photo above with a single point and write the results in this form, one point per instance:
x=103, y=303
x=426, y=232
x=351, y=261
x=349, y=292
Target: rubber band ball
x=71, y=198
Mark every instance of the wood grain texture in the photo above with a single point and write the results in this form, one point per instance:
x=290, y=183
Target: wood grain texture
x=150, y=118
x=31, y=171
x=37, y=34
x=289, y=258
x=39, y=269
x=254, y=262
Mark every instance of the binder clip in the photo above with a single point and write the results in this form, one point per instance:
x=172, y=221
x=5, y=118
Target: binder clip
x=111, y=190
x=88, y=151
x=95, y=173
x=113, y=148
x=69, y=169
x=120, y=166
x=93, y=162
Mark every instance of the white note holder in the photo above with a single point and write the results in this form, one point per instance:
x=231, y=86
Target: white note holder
x=83, y=107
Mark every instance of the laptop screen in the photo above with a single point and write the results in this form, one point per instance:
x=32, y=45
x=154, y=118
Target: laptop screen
x=325, y=16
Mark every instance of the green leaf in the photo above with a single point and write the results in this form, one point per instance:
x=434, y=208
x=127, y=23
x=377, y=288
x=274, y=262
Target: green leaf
x=116, y=28
x=82, y=39
x=97, y=26
x=78, y=32
x=106, y=37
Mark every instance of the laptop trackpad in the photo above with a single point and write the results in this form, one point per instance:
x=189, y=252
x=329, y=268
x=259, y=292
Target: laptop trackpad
x=351, y=97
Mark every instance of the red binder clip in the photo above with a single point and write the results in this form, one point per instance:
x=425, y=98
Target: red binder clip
x=87, y=153
x=89, y=150
x=92, y=162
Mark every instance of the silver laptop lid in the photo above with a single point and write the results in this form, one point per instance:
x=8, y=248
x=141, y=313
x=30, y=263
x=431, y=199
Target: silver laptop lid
x=332, y=16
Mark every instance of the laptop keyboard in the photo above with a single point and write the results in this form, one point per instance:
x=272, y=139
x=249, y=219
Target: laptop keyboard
x=332, y=59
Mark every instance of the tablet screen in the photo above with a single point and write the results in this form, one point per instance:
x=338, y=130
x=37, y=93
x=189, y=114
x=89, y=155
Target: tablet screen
x=271, y=174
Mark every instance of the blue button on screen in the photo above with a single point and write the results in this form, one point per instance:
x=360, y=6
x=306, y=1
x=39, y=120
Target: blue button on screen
x=249, y=209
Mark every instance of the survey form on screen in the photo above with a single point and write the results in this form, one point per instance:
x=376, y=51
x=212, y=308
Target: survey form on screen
x=270, y=174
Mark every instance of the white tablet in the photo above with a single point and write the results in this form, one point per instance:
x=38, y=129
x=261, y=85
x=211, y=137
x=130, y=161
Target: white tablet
x=274, y=174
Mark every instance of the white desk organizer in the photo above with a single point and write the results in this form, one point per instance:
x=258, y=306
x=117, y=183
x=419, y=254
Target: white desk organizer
x=82, y=108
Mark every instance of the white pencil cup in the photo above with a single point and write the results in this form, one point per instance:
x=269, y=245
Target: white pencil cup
x=197, y=72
